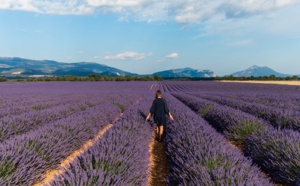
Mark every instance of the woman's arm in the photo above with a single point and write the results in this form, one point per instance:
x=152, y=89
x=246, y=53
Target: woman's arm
x=170, y=116
x=148, y=116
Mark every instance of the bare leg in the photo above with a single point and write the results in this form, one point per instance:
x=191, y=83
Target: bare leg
x=161, y=132
x=156, y=132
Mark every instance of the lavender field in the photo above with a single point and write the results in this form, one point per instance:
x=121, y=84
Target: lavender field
x=223, y=133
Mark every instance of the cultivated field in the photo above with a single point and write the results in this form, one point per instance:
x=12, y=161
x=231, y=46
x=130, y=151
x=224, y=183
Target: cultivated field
x=269, y=82
x=94, y=133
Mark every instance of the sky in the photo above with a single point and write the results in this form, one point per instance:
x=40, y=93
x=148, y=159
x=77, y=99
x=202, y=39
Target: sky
x=146, y=36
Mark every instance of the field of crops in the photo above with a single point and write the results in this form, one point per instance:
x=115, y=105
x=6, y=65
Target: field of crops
x=95, y=133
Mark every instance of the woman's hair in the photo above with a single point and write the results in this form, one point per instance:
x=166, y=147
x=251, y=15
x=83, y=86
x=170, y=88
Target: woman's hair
x=158, y=94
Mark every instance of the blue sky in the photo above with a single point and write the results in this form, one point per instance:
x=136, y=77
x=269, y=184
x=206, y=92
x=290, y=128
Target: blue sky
x=145, y=36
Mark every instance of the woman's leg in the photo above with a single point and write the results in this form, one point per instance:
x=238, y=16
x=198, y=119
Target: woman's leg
x=157, y=132
x=161, y=132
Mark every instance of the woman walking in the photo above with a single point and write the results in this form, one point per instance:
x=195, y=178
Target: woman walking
x=159, y=110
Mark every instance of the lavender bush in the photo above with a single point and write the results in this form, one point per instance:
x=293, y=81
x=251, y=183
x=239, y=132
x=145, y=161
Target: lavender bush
x=284, y=101
x=235, y=124
x=281, y=118
x=277, y=152
x=14, y=125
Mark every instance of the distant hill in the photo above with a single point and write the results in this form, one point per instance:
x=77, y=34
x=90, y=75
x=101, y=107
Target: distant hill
x=186, y=72
x=28, y=67
x=257, y=71
x=12, y=67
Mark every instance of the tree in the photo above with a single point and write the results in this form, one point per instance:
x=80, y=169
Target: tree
x=295, y=77
x=2, y=79
x=157, y=78
x=272, y=77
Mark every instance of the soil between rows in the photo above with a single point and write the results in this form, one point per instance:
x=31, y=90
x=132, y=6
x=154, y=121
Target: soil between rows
x=160, y=168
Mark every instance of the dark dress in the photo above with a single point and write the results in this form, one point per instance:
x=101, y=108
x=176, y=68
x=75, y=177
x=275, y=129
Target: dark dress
x=159, y=109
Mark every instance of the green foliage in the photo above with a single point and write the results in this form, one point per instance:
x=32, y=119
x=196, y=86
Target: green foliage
x=205, y=110
x=7, y=168
x=94, y=77
x=89, y=104
x=260, y=78
x=215, y=162
x=37, y=107
x=121, y=107
x=81, y=107
x=157, y=78
x=2, y=79
x=3, y=134
x=242, y=130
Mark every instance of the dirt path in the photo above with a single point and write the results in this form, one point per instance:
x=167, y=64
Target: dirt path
x=154, y=85
x=267, y=82
x=66, y=162
x=158, y=164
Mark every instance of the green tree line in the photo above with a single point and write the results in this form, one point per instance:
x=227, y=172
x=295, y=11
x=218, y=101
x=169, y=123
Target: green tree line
x=2, y=79
x=94, y=77
x=261, y=78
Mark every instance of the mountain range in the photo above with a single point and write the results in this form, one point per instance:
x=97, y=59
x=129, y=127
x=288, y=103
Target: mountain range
x=186, y=72
x=257, y=71
x=28, y=67
x=12, y=67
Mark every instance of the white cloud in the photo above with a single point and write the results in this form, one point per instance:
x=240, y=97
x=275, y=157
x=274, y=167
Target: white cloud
x=25, y=5
x=114, y=3
x=128, y=56
x=182, y=11
x=61, y=7
x=172, y=55
x=169, y=57
x=247, y=8
x=284, y=2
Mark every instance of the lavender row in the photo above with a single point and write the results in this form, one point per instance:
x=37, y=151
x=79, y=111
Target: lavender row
x=15, y=106
x=120, y=157
x=214, y=87
x=19, y=124
x=282, y=96
x=235, y=124
x=287, y=117
x=199, y=155
x=25, y=159
x=15, y=125
x=284, y=101
x=281, y=118
x=20, y=98
x=88, y=92
x=276, y=151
